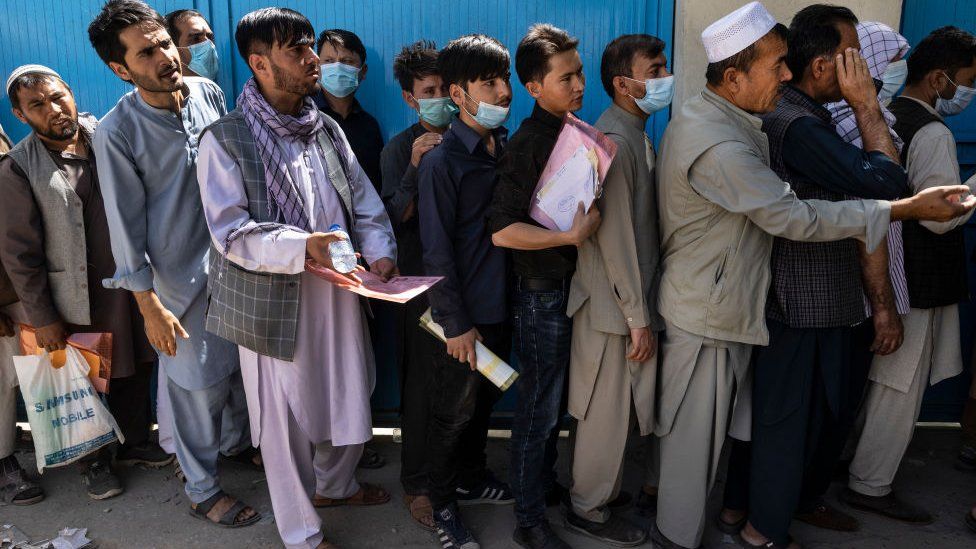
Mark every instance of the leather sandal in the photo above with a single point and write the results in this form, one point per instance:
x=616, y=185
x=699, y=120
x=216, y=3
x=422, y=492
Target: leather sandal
x=421, y=510
x=368, y=494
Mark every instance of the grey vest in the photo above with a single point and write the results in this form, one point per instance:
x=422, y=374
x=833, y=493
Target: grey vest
x=65, y=248
x=259, y=311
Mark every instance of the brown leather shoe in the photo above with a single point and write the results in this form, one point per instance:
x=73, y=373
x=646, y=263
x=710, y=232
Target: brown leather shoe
x=368, y=494
x=830, y=518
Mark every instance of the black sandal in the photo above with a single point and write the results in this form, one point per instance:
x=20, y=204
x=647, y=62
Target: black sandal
x=246, y=458
x=768, y=545
x=223, y=510
x=731, y=528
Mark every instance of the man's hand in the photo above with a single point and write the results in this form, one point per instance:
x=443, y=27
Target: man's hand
x=462, y=348
x=643, y=345
x=888, y=332
x=162, y=326
x=384, y=268
x=317, y=247
x=584, y=224
x=6, y=326
x=423, y=144
x=934, y=204
x=855, y=81
x=53, y=337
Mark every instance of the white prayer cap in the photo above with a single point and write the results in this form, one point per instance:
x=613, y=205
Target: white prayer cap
x=736, y=31
x=29, y=69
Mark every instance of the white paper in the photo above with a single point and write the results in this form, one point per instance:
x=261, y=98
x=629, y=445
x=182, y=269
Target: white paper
x=495, y=369
x=574, y=182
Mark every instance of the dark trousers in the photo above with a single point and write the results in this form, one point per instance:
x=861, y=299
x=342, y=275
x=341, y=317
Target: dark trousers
x=129, y=401
x=542, y=343
x=460, y=408
x=806, y=390
x=415, y=351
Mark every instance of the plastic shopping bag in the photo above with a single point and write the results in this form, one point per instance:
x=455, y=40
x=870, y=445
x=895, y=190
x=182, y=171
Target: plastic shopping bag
x=67, y=418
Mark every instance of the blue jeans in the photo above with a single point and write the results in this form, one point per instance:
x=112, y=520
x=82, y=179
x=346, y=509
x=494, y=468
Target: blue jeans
x=542, y=342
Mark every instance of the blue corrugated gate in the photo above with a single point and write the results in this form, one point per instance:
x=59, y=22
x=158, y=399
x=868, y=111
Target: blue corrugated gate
x=944, y=401
x=54, y=33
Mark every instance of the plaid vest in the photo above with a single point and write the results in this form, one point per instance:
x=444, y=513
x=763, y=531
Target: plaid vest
x=935, y=264
x=815, y=284
x=259, y=311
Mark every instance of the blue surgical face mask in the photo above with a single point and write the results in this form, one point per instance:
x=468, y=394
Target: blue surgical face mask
x=339, y=79
x=958, y=102
x=203, y=59
x=436, y=111
x=894, y=78
x=658, y=93
x=489, y=116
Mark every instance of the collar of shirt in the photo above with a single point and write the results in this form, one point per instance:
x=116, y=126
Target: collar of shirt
x=187, y=97
x=627, y=118
x=928, y=107
x=471, y=139
x=323, y=104
x=546, y=118
x=800, y=99
x=741, y=117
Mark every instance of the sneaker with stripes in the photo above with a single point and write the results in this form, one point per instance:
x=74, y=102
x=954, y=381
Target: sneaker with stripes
x=490, y=491
x=451, y=532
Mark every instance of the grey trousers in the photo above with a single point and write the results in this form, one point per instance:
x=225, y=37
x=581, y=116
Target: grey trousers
x=9, y=346
x=690, y=452
x=197, y=419
x=235, y=433
x=888, y=417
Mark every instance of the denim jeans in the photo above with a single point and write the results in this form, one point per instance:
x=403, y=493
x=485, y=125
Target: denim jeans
x=460, y=409
x=542, y=342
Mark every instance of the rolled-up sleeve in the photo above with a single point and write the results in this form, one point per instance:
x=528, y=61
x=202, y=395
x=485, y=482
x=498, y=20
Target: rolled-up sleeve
x=399, y=183
x=225, y=207
x=734, y=177
x=438, y=204
x=814, y=149
x=124, y=194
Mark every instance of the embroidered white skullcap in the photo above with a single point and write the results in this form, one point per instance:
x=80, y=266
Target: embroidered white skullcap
x=29, y=69
x=736, y=31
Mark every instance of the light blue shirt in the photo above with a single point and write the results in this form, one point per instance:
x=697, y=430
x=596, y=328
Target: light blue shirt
x=146, y=160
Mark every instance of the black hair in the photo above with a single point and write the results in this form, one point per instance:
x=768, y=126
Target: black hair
x=541, y=43
x=29, y=80
x=416, y=61
x=261, y=29
x=814, y=32
x=743, y=60
x=116, y=16
x=174, y=17
x=473, y=57
x=618, y=57
x=339, y=38
x=946, y=48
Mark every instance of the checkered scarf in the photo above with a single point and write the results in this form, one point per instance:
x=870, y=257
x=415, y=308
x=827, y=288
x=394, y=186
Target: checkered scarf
x=268, y=126
x=880, y=45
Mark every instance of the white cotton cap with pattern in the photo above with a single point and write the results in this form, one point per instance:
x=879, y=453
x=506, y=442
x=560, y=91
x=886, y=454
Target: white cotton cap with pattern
x=736, y=31
x=29, y=69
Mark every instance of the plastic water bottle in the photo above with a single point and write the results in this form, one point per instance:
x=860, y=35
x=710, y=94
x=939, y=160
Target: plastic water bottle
x=341, y=252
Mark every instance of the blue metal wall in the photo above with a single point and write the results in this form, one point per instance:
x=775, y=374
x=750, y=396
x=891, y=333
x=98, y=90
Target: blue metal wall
x=944, y=401
x=54, y=33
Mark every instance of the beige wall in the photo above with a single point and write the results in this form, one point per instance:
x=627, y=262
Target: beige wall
x=692, y=16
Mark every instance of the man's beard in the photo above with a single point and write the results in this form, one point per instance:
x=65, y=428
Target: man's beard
x=288, y=83
x=68, y=132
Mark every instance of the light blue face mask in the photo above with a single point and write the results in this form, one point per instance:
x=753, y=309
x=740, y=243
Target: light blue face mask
x=658, y=93
x=339, y=79
x=203, y=59
x=957, y=103
x=436, y=111
x=489, y=116
x=894, y=78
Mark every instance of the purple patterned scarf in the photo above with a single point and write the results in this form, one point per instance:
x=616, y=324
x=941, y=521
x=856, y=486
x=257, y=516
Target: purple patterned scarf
x=268, y=127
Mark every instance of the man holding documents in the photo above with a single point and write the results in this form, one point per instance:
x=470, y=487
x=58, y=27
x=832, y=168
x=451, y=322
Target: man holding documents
x=456, y=180
x=274, y=175
x=613, y=297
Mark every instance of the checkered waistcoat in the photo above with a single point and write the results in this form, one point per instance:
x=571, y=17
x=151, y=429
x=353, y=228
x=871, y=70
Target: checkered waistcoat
x=259, y=311
x=815, y=284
